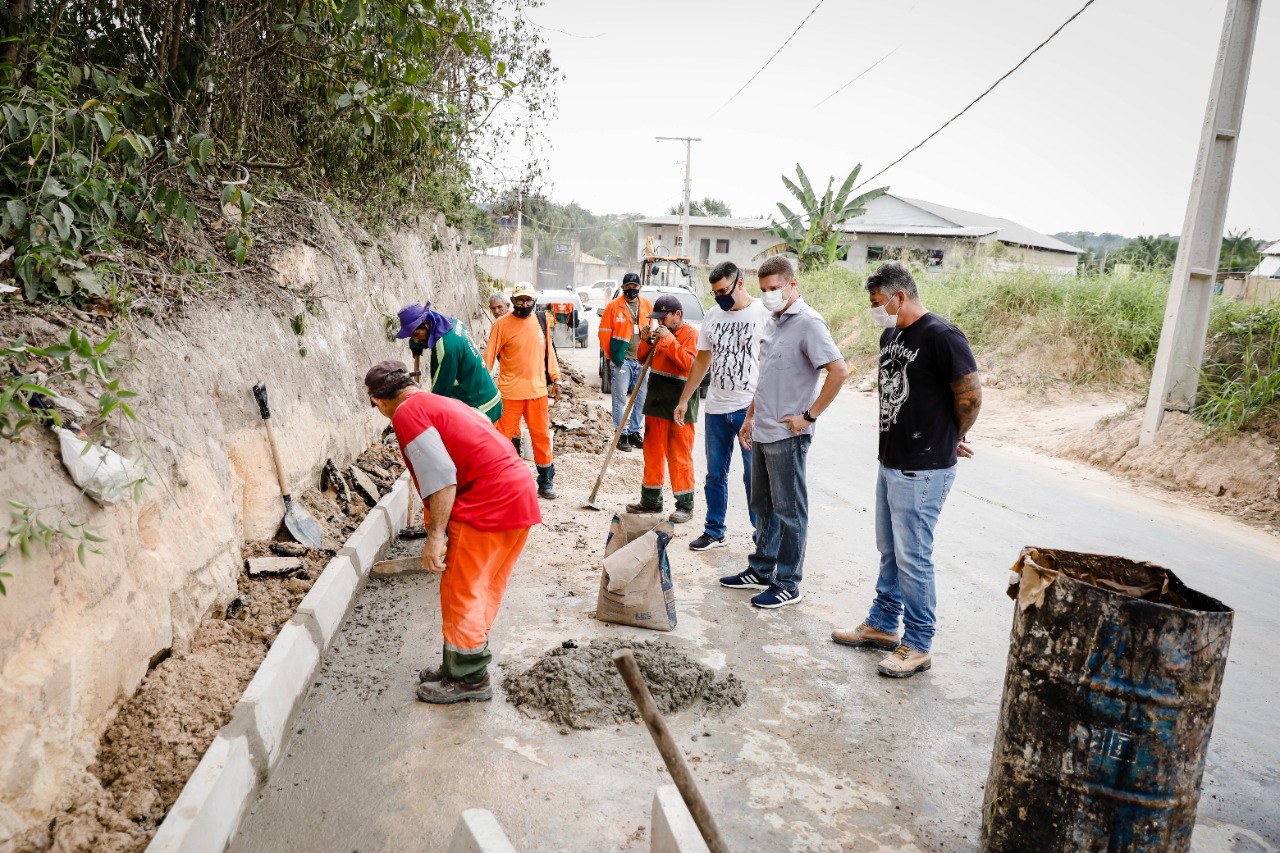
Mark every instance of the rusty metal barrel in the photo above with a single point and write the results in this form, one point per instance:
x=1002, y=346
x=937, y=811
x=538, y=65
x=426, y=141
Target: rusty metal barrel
x=1114, y=673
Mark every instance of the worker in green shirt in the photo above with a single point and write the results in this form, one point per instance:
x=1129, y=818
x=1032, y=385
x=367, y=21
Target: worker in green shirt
x=455, y=367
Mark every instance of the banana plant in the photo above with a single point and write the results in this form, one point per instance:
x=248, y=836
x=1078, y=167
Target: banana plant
x=813, y=234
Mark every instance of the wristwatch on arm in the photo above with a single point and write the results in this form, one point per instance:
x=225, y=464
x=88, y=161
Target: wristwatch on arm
x=808, y=417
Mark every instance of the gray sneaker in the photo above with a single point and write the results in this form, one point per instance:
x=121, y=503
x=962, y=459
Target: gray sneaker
x=680, y=516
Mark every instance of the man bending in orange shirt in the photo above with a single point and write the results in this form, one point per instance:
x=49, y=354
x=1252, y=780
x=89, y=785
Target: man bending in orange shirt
x=530, y=373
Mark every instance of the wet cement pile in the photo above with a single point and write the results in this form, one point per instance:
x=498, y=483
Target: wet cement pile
x=581, y=425
x=159, y=735
x=580, y=687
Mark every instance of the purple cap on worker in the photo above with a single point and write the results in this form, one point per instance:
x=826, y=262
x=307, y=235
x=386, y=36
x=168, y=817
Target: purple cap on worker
x=664, y=305
x=411, y=317
x=383, y=375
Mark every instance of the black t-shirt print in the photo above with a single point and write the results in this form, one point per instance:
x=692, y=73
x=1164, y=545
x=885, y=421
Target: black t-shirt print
x=918, y=428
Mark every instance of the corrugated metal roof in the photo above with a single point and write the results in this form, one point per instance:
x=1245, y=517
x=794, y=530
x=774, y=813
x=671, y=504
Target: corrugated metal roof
x=1010, y=231
x=892, y=214
x=709, y=222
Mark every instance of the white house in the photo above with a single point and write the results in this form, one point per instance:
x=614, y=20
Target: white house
x=892, y=227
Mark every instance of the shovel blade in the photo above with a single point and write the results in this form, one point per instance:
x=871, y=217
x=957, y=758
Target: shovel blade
x=301, y=525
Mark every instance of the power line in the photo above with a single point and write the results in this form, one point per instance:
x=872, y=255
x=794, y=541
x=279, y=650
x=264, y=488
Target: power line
x=980, y=97
x=855, y=79
x=770, y=59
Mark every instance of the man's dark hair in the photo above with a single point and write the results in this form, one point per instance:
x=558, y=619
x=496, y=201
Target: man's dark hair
x=891, y=278
x=728, y=270
x=777, y=265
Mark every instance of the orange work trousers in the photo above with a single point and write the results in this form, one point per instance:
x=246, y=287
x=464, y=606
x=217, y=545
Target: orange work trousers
x=668, y=445
x=537, y=416
x=478, y=564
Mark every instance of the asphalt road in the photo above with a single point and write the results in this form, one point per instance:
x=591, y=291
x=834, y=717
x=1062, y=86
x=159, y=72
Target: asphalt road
x=825, y=755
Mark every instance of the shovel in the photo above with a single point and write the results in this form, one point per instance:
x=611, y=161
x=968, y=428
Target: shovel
x=590, y=500
x=297, y=520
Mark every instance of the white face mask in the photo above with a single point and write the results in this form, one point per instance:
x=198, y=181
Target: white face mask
x=774, y=300
x=880, y=314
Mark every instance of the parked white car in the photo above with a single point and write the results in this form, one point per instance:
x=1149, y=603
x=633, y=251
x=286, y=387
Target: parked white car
x=598, y=293
x=693, y=314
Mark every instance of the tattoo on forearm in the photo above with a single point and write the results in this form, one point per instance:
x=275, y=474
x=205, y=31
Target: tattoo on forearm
x=968, y=393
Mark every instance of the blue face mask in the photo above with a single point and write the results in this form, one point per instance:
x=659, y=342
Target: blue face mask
x=726, y=301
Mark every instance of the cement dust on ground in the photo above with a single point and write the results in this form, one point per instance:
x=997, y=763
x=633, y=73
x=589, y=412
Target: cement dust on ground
x=159, y=735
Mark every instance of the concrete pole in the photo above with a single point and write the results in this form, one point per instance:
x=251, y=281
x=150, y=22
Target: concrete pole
x=682, y=246
x=1175, y=378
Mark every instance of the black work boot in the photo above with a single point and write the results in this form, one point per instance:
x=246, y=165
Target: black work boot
x=447, y=691
x=546, y=474
x=515, y=441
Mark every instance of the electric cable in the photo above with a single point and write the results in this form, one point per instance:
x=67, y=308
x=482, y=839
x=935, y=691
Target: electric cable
x=1003, y=77
x=855, y=79
x=770, y=59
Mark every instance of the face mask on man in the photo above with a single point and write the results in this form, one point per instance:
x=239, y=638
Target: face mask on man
x=631, y=293
x=880, y=314
x=522, y=310
x=774, y=300
x=725, y=301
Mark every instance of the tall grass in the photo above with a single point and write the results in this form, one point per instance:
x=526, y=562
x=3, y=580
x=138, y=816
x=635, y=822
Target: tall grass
x=1100, y=330
x=1240, y=381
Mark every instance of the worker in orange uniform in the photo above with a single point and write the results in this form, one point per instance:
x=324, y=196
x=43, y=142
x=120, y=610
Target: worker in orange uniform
x=480, y=506
x=620, y=325
x=530, y=374
x=667, y=443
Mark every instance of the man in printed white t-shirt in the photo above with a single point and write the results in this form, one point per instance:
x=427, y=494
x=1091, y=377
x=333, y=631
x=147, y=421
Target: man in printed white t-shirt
x=729, y=344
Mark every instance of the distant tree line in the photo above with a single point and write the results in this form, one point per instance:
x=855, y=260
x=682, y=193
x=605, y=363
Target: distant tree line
x=1240, y=252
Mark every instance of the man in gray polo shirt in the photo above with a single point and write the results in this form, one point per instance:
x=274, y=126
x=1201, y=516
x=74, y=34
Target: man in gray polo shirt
x=796, y=348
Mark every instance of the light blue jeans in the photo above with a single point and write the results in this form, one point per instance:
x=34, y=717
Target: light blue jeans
x=908, y=504
x=721, y=435
x=624, y=380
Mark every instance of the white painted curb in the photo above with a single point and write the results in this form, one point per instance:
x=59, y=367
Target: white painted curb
x=478, y=831
x=673, y=829
x=236, y=765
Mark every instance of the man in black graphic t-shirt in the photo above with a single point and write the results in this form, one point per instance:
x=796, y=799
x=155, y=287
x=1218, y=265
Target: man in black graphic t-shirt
x=930, y=394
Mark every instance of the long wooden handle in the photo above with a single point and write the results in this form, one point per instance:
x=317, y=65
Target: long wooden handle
x=275, y=457
x=625, y=661
x=417, y=368
x=617, y=433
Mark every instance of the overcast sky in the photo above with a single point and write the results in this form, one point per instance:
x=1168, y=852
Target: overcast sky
x=1098, y=131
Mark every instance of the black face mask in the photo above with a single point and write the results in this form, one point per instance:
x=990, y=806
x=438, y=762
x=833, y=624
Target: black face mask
x=726, y=301
x=522, y=310
x=631, y=294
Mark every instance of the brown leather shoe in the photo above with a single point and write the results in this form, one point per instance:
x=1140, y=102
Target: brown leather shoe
x=430, y=673
x=865, y=637
x=904, y=663
x=447, y=691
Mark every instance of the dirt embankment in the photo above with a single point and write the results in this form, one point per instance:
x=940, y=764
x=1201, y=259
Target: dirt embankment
x=159, y=735
x=1238, y=476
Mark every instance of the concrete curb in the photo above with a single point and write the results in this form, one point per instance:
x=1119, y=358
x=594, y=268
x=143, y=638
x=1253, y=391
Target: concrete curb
x=236, y=765
x=673, y=829
x=478, y=831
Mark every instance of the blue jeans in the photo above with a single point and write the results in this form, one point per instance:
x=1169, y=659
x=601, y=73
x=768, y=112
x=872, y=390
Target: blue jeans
x=908, y=504
x=623, y=381
x=780, y=499
x=721, y=434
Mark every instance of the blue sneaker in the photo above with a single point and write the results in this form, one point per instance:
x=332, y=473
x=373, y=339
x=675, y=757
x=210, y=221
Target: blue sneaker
x=776, y=596
x=746, y=580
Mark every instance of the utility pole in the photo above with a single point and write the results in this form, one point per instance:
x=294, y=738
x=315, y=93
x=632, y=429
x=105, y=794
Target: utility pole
x=514, y=251
x=682, y=245
x=1176, y=375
